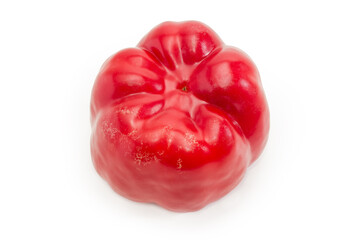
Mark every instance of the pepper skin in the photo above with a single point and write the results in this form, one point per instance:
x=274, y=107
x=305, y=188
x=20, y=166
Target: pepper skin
x=178, y=119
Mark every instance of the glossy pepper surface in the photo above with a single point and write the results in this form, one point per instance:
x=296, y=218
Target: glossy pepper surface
x=178, y=119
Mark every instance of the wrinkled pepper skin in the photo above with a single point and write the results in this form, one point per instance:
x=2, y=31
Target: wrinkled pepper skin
x=178, y=119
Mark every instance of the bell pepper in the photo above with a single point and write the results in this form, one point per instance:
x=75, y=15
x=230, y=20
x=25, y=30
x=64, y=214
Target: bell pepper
x=177, y=120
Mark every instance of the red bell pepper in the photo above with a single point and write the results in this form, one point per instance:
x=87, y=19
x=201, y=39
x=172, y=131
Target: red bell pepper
x=178, y=119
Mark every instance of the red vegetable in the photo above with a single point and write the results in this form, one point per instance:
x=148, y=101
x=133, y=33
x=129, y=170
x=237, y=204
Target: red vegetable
x=178, y=119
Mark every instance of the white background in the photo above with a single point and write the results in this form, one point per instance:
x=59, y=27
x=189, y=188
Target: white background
x=306, y=185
